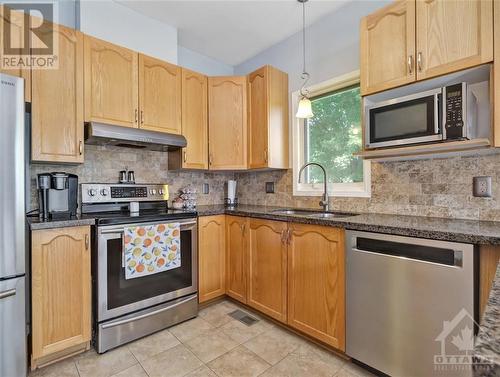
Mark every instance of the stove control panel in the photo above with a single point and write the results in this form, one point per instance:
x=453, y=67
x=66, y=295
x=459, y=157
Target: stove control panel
x=112, y=193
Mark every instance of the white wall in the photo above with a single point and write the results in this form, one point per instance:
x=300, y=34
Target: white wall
x=200, y=63
x=118, y=24
x=332, y=47
x=67, y=10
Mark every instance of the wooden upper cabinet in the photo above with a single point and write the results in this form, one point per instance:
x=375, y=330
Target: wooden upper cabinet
x=14, y=21
x=159, y=95
x=57, y=108
x=111, y=83
x=211, y=257
x=227, y=121
x=387, y=57
x=453, y=35
x=195, y=120
x=61, y=301
x=268, y=119
x=316, y=283
x=267, y=259
x=236, y=257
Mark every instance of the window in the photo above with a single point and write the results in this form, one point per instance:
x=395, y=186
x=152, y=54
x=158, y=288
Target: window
x=330, y=138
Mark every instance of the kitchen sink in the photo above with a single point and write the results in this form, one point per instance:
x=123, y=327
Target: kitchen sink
x=313, y=213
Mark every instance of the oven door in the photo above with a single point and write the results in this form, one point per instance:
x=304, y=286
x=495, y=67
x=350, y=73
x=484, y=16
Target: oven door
x=118, y=296
x=407, y=120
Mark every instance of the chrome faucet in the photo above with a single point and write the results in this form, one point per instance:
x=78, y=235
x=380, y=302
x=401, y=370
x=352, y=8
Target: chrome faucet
x=324, y=201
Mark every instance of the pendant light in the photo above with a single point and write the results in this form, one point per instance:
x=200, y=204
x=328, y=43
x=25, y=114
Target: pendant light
x=304, y=110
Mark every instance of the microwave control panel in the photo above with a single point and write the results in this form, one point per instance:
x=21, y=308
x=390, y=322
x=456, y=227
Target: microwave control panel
x=454, y=111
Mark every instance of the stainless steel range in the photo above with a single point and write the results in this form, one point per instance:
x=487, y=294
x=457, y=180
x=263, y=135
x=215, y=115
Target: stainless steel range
x=127, y=309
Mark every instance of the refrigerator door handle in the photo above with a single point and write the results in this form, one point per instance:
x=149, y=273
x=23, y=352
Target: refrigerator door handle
x=8, y=293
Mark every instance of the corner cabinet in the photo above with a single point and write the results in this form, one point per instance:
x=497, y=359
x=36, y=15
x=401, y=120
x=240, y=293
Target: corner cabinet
x=388, y=47
x=236, y=257
x=195, y=120
x=159, y=95
x=413, y=40
x=268, y=119
x=211, y=257
x=61, y=293
x=14, y=21
x=316, y=282
x=111, y=83
x=267, y=267
x=227, y=122
x=57, y=114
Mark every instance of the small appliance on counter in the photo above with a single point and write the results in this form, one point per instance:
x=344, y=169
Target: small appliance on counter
x=57, y=195
x=231, y=200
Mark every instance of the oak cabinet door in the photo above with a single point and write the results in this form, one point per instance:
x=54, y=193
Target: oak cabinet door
x=268, y=119
x=159, y=95
x=236, y=257
x=267, y=274
x=211, y=257
x=227, y=122
x=61, y=301
x=14, y=21
x=316, y=283
x=387, y=57
x=111, y=83
x=195, y=120
x=57, y=106
x=453, y=35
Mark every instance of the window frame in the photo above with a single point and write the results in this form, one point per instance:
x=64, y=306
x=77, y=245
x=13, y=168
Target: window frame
x=358, y=189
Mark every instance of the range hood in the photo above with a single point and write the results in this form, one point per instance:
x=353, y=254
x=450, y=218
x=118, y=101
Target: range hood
x=107, y=134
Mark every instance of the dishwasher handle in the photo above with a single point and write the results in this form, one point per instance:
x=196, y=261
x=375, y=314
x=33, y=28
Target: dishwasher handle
x=409, y=251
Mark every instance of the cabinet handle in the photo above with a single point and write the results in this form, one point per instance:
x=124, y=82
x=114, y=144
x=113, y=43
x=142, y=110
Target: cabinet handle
x=283, y=232
x=243, y=227
x=185, y=158
x=136, y=116
x=265, y=156
x=142, y=116
x=419, y=61
x=86, y=242
x=410, y=64
x=80, y=147
x=288, y=236
x=210, y=161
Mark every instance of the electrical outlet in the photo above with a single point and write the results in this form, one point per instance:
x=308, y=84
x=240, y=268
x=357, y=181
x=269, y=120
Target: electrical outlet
x=270, y=187
x=481, y=187
x=206, y=188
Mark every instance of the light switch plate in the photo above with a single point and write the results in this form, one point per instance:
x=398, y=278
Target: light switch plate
x=481, y=187
x=206, y=188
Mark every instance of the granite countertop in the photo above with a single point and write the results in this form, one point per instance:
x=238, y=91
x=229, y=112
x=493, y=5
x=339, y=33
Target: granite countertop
x=487, y=346
x=35, y=223
x=466, y=231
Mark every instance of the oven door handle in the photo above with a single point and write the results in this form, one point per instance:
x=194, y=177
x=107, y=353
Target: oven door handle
x=146, y=315
x=120, y=230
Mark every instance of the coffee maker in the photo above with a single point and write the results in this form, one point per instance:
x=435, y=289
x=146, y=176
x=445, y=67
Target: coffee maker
x=57, y=195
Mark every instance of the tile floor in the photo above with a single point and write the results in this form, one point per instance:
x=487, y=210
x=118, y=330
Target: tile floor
x=213, y=344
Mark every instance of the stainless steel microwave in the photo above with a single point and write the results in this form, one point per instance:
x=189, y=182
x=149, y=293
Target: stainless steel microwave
x=446, y=113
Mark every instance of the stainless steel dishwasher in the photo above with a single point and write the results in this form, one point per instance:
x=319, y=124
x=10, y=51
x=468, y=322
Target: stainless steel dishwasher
x=400, y=292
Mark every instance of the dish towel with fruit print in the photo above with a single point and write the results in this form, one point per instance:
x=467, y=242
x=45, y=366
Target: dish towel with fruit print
x=150, y=249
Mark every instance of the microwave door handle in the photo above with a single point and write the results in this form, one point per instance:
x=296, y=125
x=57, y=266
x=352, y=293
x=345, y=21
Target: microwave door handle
x=436, y=114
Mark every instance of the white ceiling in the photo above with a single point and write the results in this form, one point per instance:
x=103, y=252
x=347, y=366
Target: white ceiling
x=232, y=31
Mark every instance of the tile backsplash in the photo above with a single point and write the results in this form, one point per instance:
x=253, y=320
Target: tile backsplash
x=432, y=187
x=103, y=164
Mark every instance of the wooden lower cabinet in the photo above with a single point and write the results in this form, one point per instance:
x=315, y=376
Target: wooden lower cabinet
x=316, y=282
x=211, y=257
x=61, y=293
x=236, y=257
x=489, y=257
x=267, y=275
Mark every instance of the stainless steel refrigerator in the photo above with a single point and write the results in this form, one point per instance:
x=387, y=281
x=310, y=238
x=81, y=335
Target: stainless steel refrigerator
x=12, y=228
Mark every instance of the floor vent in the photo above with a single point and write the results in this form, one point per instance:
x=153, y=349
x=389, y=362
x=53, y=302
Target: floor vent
x=243, y=317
